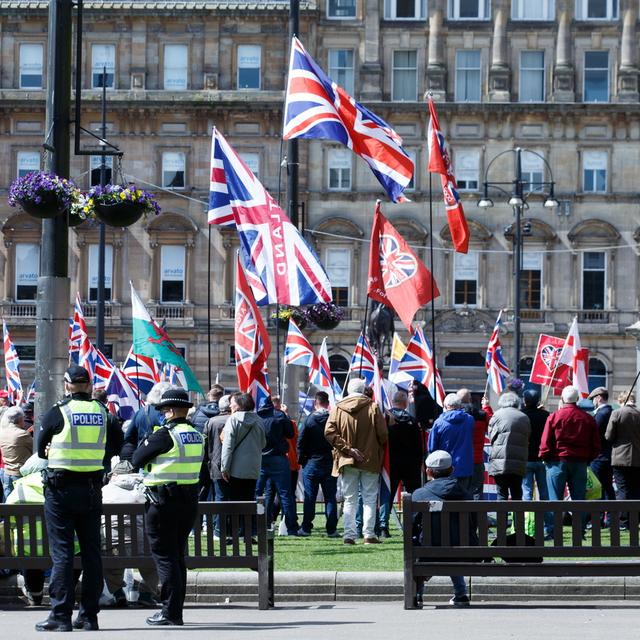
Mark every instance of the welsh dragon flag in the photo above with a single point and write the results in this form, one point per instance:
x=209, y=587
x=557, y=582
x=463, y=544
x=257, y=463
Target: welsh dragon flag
x=150, y=340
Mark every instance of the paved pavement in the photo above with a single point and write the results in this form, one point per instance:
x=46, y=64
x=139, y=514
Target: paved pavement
x=355, y=621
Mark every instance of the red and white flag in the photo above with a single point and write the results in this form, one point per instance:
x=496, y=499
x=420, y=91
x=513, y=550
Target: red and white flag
x=574, y=356
x=440, y=162
x=397, y=277
x=546, y=369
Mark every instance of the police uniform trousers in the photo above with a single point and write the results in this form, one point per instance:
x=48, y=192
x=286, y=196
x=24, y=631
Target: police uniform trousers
x=168, y=526
x=74, y=506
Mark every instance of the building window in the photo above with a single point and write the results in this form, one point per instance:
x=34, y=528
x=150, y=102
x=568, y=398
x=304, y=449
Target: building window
x=339, y=164
x=469, y=9
x=596, y=9
x=596, y=76
x=531, y=280
x=464, y=359
x=467, y=170
x=412, y=183
x=341, y=8
x=595, y=171
x=597, y=374
x=252, y=160
x=103, y=65
x=26, y=352
x=27, y=270
x=405, y=9
x=405, y=75
x=532, y=170
x=249, y=60
x=95, y=164
x=341, y=68
x=531, y=76
x=465, y=275
x=31, y=66
x=533, y=10
x=526, y=364
x=28, y=161
x=93, y=272
x=172, y=261
x=468, y=75
x=173, y=166
x=175, y=66
x=339, y=367
x=593, y=279
x=338, y=267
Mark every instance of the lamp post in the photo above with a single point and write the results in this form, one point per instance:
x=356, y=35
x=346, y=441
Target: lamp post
x=520, y=191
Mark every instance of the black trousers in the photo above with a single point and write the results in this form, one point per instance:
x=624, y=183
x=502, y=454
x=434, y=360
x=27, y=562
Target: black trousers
x=509, y=483
x=168, y=526
x=74, y=508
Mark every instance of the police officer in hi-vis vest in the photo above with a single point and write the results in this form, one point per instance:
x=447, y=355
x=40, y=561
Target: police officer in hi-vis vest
x=73, y=435
x=171, y=457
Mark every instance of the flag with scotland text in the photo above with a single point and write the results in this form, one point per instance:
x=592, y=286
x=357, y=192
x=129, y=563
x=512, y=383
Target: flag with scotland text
x=316, y=107
x=273, y=250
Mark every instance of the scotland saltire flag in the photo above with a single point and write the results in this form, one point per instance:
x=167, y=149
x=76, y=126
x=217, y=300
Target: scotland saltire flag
x=297, y=349
x=316, y=107
x=122, y=392
x=11, y=366
x=363, y=362
x=141, y=370
x=273, y=250
x=418, y=363
x=495, y=364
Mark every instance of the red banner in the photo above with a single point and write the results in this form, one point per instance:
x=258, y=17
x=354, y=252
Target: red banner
x=545, y=369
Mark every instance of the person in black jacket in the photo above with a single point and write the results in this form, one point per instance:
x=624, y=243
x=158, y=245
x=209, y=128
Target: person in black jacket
x=441, y=486
x=601, y=466
x=275, y=465
x=315, y=455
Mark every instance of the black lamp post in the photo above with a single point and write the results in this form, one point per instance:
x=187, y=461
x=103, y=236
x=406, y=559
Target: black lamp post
x=518, y=195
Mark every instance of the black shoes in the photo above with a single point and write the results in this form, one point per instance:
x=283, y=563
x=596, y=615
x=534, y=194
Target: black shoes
x=85, y=624
x=53, y=625
x=160, y=619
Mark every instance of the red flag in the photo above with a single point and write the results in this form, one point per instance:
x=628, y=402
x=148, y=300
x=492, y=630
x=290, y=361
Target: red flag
x=397, y=277
x=439, y=162
x=546, y=369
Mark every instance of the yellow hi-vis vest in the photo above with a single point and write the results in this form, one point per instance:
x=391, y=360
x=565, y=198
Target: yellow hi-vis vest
x=181, y=464
x=28, y=490
x=80, y=444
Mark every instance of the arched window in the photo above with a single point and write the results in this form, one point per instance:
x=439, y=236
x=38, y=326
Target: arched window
x=597, y=373
x=339, y=366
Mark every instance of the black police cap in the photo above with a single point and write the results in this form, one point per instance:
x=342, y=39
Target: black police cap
x=174, y=398
x=76, y=374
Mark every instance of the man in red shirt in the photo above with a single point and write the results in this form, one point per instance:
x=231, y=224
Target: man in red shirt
x=570, y=441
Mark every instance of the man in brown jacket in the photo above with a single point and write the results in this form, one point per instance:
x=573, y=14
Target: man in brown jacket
x=357, y=431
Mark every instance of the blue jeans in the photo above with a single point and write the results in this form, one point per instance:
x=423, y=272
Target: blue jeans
x=537, y=473
x=276, y=469
x=221, y=490
x=459, y=585
x=561, y=474
x=315, y=474
x=7, y=484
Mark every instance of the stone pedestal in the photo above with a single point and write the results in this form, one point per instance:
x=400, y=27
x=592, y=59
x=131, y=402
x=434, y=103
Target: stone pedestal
x=564, y=84
x=371, y=76
x=499, y=84
x=437, y=82
x=628, y=85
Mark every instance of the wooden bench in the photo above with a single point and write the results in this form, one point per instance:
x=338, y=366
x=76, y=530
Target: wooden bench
x=503, y=548
x=124, y=547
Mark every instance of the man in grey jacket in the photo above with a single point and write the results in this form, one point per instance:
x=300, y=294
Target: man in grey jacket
x=509, y=431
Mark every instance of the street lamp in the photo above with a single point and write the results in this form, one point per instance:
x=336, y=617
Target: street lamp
x=518, y=191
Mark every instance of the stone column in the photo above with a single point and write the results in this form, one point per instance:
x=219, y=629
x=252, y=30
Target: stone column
x=482, y=301
x=546, y=302
x=371, y=69
x=499, y=75
x=628, y=71
x=577, y=278
x=436, y=66
x=611, y=280
x=10, y=270
x=188, y=260
x=634, y=330
x=563, y=71
x=116, y=271
x=355, y=289
x=154, y=272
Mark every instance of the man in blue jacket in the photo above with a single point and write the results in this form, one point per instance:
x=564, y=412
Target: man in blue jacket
x=453, y=432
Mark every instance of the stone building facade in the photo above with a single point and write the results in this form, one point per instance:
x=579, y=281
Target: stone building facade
x=558, y=78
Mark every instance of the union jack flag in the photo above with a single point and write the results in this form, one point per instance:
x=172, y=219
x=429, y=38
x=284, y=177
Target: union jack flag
x=141, y=370
x=173, y=375
x=11, y=366
x=418, y=363
x=316, y=107
x=322, y=378
x=495, y=364
x=286, y=267
x=122, y=395
x=102, y=368
x=363, y=362
x=297, y=349
x=79, y=345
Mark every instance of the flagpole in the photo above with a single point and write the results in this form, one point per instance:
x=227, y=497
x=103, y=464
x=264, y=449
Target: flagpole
x=304, y=404
x=208, y=306
x=433, y=300
x=364, y=334
x=555, y=368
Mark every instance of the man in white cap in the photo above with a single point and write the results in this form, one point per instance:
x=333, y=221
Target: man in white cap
x=570, y=441
x=442, y=485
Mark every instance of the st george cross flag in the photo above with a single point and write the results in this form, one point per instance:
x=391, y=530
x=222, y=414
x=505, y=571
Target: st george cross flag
x=440, y=162
x=496, y=367
x=274, y=250
x=150, y=340
x=297, y=349
x=141, y=370
x=121, y=391
x=397, y=277
x=11, y=366
x=574, y=356
x=363, y=362
x=316, y=107
x=418, y=363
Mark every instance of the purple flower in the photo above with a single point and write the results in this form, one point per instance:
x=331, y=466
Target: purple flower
x=323, y=312
x=117, y=193
x=40, y=186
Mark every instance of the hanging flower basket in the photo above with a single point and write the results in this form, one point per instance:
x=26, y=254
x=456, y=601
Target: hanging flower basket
x=122, y=206
x=285, y=314
x=42, y=194
x=324, y=315
x=81, y=209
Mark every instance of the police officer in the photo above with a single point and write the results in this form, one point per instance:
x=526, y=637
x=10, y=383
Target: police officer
x=74, y=435
x=171, y=456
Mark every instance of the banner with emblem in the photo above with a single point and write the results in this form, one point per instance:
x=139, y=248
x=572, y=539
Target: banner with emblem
x=546, y=369
x=397, y=277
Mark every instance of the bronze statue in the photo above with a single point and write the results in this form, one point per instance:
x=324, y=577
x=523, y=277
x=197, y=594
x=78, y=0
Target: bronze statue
x=380, y=330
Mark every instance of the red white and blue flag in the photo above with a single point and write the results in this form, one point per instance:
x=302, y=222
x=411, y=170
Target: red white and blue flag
x=141, y=370
x=322, y=378
x=173, y=375
x=79, y=344
x=316, y=107
x=495, y=364
x=418, y=363
x=122, y=395
x=102, y=369
x=288, y=270
x=31, y=392
x=440, y=162
x=297, y=349
x=363, y=362
x=11, y=366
